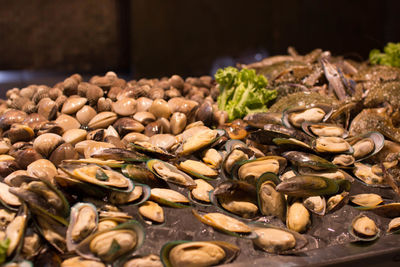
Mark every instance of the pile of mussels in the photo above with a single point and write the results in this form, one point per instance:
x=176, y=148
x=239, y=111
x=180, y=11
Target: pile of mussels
x=98, y=173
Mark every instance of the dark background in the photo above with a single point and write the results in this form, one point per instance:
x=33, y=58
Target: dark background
x=155, y=38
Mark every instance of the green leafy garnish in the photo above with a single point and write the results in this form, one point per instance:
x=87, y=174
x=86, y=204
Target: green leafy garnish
x=390, y=57
x=242, y=92
x=3, y=250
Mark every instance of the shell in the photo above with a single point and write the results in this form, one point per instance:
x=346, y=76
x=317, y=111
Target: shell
x=366, y=200
x=152, y=211
x=170, y=173
x=102, y=120
x=315, y=204
x=298, y=217
x=308, y=185
x=169, y=197
x=197, y=169
x=73, y=104
x=364, y=229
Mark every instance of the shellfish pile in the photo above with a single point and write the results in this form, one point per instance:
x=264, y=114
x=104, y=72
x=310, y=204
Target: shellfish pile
x=149, y=172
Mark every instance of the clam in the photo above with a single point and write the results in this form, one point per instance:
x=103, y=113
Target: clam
x=364, y=229
x=110, y=244
x=74, y=136
x=160, y=108
x=73, y=104
x=197, y=169
x=126, y=125
x=178, y=122
x=315, y=204
x=119, y=154
x=42, y=169
x=163, y=141
x=308, y=160
x=143, y=104
x=82, y=262
x=144, y=117
x=102, y=120
x=152, y=211
x=83, y=222
x=170, y=173
x=394, y=226
x=198, y=253
x=67, y=122
x=18, y=133
x=366, y=200
x=308, y=185
x=251, y=170
x=225, y=224
x=124, y=107
x=297, y=218
x=8, y=199
x=63, y=152
x=169, y=197
x=85, y=114
x=277, y=240
x=201, y=191
x=270, y=201
x=46, y=143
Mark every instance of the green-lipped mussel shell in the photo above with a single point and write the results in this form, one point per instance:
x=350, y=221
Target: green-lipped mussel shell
x=186, y=181
x=360, y=236
x=275, y=204
x=141, y=175
x=308, y=185
x=376, y=137
x=391, y=210
x=308, y=160
x=231, y=251
x=83, y=249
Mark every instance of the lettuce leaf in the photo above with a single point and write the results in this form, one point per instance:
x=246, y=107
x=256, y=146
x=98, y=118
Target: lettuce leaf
x=389, y=57
x=242, y=92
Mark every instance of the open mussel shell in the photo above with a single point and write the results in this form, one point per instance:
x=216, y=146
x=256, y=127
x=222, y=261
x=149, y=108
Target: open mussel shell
x=266, y=135
x=308, y=185
x=331, y=145
x=197, y=253
x=362, y=228
x=150, y=260
x=44, y=198
x=15, y=232
x=236, y=198
x=292, y=144
x=141, y=175
x=120, y=154
x=23, y=263
x=83, y=221
x=170, y=173
x=78, y=187
x=53, y=231
x=198, y=169
x=226, y=224
x=315, y=204
x=236, y=153
x=109, y=244
x=169, y=197
x=337, y=201
x=139, y=194
x=394, y=226
x=312, y=161
x=366, y=145
x=366, y=200
x=199, y=141
x=270, y=201
x=98, y=176
x=294, y=117
x=324, y=129
x=390, y=210
x=109, y=162
x=250, y=170
x=273, y=239
x=364, y=173
x=150, y=150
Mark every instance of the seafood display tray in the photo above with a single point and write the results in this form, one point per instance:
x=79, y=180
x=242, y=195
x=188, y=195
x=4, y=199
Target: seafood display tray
x=329, y=240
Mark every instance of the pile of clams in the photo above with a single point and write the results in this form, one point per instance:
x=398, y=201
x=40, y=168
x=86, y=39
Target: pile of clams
x=149, y=172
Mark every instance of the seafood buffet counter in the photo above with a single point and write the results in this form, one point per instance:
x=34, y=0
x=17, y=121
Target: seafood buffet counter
x=124, y=173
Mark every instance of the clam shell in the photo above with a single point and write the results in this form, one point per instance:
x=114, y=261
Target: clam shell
x=73, y=104
x=102, y=120
x=124, y=107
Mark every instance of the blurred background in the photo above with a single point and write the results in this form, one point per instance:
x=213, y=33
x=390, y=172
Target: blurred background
x=44, y=41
